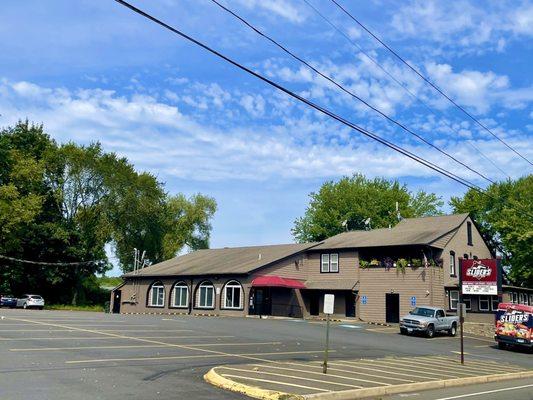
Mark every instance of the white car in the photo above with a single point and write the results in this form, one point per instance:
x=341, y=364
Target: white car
x=31, y=301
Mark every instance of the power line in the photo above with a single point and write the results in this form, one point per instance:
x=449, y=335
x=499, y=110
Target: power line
x=350, y=93
x=52, y=264
x=428, y=81
x=323, y=110
x=399, y=83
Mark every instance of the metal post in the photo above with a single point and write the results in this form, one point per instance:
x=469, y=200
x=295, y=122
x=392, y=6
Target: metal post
x=325, y=366
x=461, y=321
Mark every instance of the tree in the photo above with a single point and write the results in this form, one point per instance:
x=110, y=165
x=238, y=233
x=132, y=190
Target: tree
x=65, y=203
x=504, y=219
x=349, y=202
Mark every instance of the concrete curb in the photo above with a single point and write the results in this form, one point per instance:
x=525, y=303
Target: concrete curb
x=251, y=391
x=378, y=323
x=409, y=387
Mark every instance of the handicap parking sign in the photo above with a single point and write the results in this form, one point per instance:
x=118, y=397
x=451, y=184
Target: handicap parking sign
x=413, y=301
x=363, y=299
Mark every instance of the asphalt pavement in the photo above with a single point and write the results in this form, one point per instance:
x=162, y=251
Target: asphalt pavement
x=82, y=355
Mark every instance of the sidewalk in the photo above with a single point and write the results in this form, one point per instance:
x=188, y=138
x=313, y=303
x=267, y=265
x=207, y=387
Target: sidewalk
x=353, y=379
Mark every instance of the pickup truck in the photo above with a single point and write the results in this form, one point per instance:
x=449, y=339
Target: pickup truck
x=428, y=320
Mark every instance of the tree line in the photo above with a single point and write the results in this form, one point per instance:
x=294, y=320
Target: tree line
x=66, y=202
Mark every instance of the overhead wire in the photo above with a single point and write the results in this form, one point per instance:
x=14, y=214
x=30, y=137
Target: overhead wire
x=428, y=81
x=311, y=104
x=401, y=84
x=52, y=264
x=347, y=91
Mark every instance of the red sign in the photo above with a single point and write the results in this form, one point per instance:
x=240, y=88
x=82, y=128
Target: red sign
x=479, y=276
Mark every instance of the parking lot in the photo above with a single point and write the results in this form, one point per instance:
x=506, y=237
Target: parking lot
x=77, y=355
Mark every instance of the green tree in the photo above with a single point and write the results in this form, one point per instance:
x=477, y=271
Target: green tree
x=347, y=203
x=504, y=219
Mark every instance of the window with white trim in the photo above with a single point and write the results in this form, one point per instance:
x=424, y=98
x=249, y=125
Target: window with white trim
x=206, y=295
x=469, y=233
x=494, y=303
x=454, y=299
x=180, y=295
x=453, y=270
x=329, y=263
x=531, y=299
x=484, y=303
x=514, y=297
x=156, y=295
x=232, y=295
x=521, y=299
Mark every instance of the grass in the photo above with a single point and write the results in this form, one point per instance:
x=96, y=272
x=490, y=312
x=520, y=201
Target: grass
x=67, y=307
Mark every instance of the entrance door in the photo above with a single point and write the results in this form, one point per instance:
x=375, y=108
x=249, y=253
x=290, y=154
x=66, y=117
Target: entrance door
x=314, y=302
x=350, y=304
x=392, y=307
x=116, y=301
x=262, y=301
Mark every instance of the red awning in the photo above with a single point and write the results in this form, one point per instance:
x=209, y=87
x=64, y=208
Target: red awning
x=278, y=281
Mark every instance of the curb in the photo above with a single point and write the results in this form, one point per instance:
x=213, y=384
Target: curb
x=251, y=391
x=378, y=323
x=386, y=390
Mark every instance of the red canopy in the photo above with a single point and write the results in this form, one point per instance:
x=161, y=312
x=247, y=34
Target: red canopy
x=514, y=306
x=277, y=281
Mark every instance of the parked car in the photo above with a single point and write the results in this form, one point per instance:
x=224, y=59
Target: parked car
x=7, y=300
x=514, y=325
x=31, y=301
x=428, y=320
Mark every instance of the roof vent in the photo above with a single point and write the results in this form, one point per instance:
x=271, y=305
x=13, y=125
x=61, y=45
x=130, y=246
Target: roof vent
x=259, y=257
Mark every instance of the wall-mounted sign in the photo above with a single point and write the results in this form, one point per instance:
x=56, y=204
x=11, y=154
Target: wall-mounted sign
x=480, y=276
x=364, y=299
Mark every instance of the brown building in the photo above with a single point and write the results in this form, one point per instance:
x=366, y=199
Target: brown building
x=375, y=275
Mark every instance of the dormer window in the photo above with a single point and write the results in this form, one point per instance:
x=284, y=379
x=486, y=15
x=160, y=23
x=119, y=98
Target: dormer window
x=329, y=263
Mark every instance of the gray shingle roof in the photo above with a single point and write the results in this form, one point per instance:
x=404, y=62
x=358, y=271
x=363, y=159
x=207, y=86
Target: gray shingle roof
x=236, y=260
x=409, y=231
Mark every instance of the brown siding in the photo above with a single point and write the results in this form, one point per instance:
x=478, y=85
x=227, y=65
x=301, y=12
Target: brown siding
x=459, y=245
x=348, y=266
x=423, y=283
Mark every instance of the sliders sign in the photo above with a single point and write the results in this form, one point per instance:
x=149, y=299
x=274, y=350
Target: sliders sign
x=480, y=276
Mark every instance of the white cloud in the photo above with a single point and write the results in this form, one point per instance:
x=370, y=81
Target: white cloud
x=281, y=8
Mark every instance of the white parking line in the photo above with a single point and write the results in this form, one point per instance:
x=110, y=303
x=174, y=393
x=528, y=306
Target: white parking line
x=461, y=396
x=275, y=382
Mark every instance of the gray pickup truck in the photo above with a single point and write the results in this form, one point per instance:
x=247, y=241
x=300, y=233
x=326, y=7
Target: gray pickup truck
x=428, y=320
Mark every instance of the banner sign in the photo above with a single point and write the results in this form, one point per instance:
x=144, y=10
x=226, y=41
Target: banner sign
x=479, y=276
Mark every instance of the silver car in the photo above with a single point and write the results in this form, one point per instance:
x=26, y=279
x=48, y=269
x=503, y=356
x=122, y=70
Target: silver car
x=31, y=301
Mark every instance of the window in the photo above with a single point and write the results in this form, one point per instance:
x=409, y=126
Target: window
x=232, y=295
x=453, y=271
x=521, y=298
x=483, y=303
x=468, y=303
x=156, y=295
x=469, y=233
x=514, y=297
x=495, y=302
x=440, y=314
x=454, y=299
x=329, y=263
x=531, y=299
x=180, y=295
x=206, y=295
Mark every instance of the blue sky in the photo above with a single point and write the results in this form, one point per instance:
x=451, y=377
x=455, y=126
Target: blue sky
x=93, y=70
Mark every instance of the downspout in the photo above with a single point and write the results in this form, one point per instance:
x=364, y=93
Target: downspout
x=189, y=311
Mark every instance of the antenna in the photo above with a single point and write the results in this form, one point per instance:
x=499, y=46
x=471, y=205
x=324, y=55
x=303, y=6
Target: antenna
x=398, y=215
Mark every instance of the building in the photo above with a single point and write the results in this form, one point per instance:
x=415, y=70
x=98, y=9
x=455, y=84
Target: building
x=375, y=275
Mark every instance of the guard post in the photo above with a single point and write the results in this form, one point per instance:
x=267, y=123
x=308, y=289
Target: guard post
x=329, y=302
x=462, y=312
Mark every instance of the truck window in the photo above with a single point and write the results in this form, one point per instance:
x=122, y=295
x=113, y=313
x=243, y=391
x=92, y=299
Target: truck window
x=440, y=314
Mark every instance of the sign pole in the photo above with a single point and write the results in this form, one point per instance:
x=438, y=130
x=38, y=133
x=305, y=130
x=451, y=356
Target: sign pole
x=329, y=307
x=325, y=366
x=462, y=309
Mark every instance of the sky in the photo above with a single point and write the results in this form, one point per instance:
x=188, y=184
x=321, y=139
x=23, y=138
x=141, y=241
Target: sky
x=92, y=70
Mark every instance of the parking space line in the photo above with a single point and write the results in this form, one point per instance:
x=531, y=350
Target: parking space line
x=139, y=346
x=472, y=367
x=383, y=369
x=290, y=376
x=115, y=338
x=482, y=364
x=461, y=396
x=401, y=366
x=451, y=371
x=332, y=369
x=275, y=382
x=181, y=346
x=216, y=354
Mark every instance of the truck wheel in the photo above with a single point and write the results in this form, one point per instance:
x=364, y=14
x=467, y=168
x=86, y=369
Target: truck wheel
x=25, y=306
x=430, y=331
x=453, y=330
